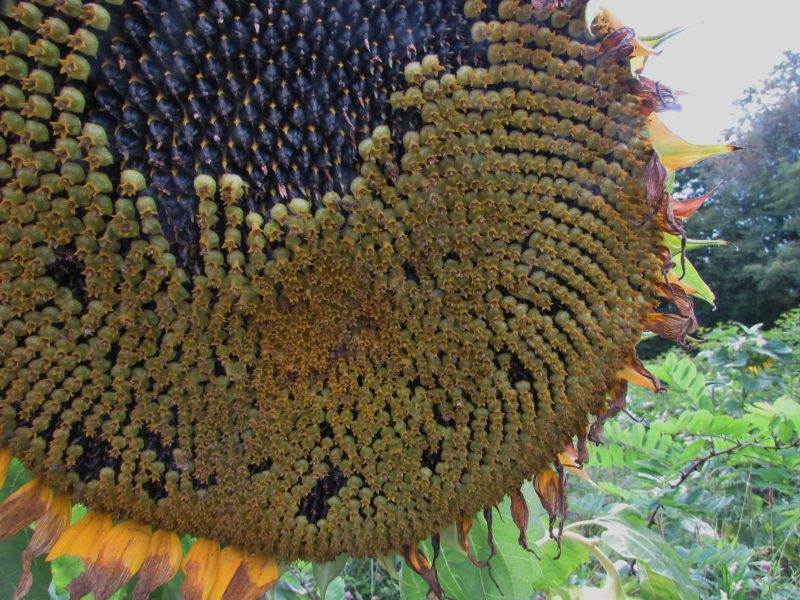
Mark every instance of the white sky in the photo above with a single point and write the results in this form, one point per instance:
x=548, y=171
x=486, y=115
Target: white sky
x=729, y=46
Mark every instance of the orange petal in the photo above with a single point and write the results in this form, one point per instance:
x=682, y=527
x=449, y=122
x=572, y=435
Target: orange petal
x=229, y=560
x=83, y=538
x=683, y=209
x=545, y=482
x=569, y=459
x=675, y=152
x=463, y=527
x=422, y=567
x=120, y=554
x=633, y=371
x=162, y=562
x=254, y=577
x=5, y=461
x=200, y=567
x=23, y=507
x=550, y=486
x=45, y=533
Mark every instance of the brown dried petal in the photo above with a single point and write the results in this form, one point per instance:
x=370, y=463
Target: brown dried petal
x=519, y=513
x=655, y=178
x=422, y=567
x=23, y=507
x=47, y=530
x=616, y=402
x=674, y=328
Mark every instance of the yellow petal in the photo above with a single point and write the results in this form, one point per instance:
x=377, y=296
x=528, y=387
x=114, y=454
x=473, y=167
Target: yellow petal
x=46, y=531
x=23, y=507
x=126, y=543
x=200, y=567
x=675, y=152
x=83, y=538
x=121, y=552
x=5, y=461
x=254, y=577
x=162, y=562
x=229, y=560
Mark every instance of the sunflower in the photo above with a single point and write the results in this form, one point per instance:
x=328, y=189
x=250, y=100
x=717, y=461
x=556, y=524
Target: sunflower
x=309, y=278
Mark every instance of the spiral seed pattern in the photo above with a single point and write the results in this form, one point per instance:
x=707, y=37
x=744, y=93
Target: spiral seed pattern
x=317, y=277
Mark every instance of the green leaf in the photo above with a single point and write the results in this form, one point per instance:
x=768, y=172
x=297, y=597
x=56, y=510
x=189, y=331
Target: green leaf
x=655, y=586
x=631, y=539
x=692, y=278
x=336, y=589
x=325, y=573
x=674, y=243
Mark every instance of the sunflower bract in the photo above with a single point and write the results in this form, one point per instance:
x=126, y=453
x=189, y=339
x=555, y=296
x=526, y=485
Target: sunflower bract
x=312, y=278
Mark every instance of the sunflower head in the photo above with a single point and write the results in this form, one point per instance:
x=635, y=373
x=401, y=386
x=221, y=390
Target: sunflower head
x=316, y=278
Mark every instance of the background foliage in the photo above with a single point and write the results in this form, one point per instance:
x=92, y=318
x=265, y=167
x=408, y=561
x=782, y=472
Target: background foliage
x=757, y=210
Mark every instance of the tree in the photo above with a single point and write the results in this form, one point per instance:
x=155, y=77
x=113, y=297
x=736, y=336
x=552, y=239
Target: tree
x=757, y=277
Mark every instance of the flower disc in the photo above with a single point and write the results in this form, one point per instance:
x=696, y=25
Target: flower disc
x=312, y=277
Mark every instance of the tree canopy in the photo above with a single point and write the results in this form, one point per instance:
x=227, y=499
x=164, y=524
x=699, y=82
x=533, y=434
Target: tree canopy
x=757, y=277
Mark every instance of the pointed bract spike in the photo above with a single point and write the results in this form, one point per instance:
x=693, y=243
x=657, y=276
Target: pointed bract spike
x=120, y=554
x=82, y=539
x=683, y=209
x=23, y=507
x=46, y=531
x=654, y=41
x=675, y=152
x=200, y=567
x=5, y=462
x=162, y=562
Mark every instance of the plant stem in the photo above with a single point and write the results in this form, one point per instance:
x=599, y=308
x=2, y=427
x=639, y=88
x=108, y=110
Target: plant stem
x=613, y=580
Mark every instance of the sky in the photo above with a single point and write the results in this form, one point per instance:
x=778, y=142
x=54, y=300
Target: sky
x=728, y=46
